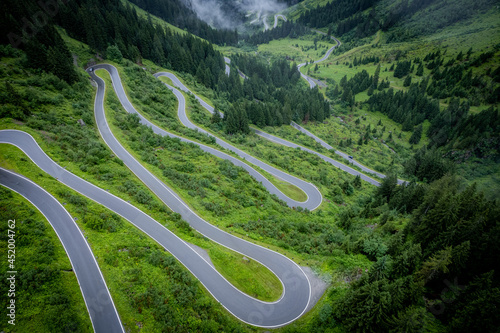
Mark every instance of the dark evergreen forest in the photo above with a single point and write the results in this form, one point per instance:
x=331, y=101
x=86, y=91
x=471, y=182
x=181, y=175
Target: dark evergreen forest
x=271, y=96
x=176, y=13
x=286, y=29
x=112, y=28
x=341, y=12
x=438, y=272
x=110, y=23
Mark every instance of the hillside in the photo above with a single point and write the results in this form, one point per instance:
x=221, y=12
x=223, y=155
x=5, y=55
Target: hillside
x=214, y=156
x=465, y=40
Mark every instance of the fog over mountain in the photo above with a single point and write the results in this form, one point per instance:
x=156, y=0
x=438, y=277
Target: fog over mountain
x=231, y=14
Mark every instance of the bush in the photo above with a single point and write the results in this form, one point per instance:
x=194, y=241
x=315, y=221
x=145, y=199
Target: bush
x=114, y=54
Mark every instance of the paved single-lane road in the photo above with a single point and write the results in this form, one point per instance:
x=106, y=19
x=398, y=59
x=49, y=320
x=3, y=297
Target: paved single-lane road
x=100, y=306
x=283, y=17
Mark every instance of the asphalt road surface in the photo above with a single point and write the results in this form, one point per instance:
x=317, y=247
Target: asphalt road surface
x=297, y=290
x=186, y=122
x=296, y=286
x=276, y=19
x=323, y=157
x=310, y=80
x=228, y=62
x=314, y=197
x=100, y=306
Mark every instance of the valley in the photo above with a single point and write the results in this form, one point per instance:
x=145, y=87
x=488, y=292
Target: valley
x=302, y=166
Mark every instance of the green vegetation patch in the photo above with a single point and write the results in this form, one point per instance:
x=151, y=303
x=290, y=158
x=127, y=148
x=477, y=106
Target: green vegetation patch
x=247, y=274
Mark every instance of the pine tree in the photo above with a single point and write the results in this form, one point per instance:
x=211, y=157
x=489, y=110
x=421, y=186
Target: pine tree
x=416, y=136
x=357, y=181
x=387, y=187
x=216, y=118
x=231, y=122
x=420, y=70
x=113, y=53
x=435, y=265
x=370, y=91
x=407, y=81
x=376, y=77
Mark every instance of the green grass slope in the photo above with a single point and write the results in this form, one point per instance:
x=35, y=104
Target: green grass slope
x=387, y=147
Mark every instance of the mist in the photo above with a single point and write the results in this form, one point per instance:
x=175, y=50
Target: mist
x=231, y=14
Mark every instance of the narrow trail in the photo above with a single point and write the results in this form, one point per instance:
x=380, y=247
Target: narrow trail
x=310, y=80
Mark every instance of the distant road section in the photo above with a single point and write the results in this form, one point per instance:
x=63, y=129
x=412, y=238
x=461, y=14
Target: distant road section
x=310, y=80
x=266, y=25
x=276, y=19
x=342, y=154
x=242, y=75
x=312, y=84
x=228, y=62
x=186, y=122
x=330, y=160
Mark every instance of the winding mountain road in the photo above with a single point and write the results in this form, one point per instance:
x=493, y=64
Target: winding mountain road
x=341, y=154
x=296, y=286
x=100, y=306
x=327, y=159
x=312, y=84
x=187, y=122
x=310, y=80
x=296, y=296
x=314, y=197
x=283, y=17
x=312, y=192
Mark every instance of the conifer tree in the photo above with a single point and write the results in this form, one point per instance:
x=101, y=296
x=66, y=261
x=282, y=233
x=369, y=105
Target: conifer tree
x=407, y=81
x=216, y=118
x=376, y=77
x=416, y=135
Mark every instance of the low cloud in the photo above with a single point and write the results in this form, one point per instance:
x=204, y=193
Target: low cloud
x=226, y=15
x=263, y=6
